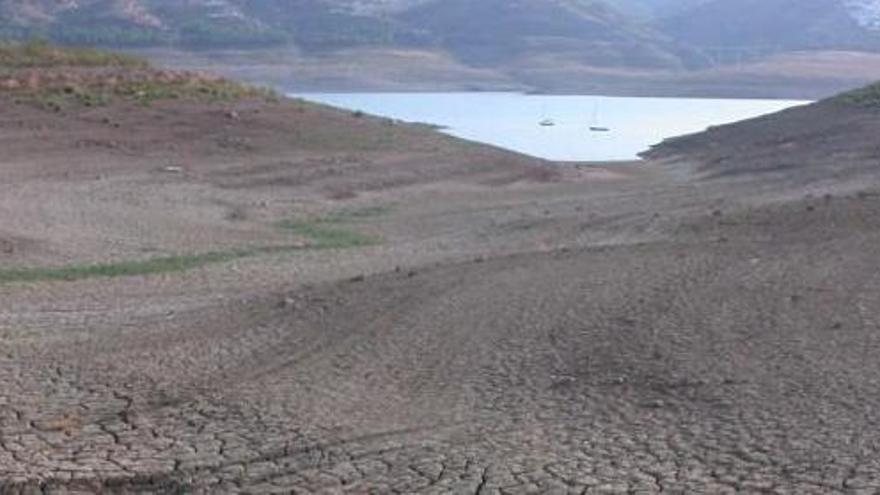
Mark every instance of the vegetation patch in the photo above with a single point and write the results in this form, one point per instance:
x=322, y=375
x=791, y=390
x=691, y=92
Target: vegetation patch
x=323, y=233
x=56, y=78
x=56, y=101
x=196, y=32
x=330, y=231
x=326, y=235
x=869, y=96
x=40, y=54
x=120, y=269
x=220, y=90
x=157, y=265
x=145, y=93
x=356, y=214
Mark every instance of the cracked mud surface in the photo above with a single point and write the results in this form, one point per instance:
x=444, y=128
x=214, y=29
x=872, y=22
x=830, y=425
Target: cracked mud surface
x=630, y=331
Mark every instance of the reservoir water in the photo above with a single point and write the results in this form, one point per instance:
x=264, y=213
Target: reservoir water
x=512, y=120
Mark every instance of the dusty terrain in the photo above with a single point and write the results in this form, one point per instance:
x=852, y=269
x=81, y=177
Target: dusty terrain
x=271, y=297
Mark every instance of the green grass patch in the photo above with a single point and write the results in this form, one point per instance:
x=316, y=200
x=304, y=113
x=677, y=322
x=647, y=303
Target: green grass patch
x=327, y=236
x=121, y=269
x=152, y=266
x=329, y=231
x=324, y=233
x=867, y=97
x=40, y=54
x=356, y=214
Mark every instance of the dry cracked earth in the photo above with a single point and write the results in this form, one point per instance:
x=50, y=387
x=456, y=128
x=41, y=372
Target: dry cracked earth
x=635, y=328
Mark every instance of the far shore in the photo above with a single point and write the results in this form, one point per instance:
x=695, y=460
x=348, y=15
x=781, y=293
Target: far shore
x=797, y=75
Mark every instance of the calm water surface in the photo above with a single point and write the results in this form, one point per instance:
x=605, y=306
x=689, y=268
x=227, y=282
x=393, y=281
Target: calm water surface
x=511, y=120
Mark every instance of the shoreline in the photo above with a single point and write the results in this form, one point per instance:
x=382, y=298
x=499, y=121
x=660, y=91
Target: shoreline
x=514, y=125
x=795, y=75
x=295, y=93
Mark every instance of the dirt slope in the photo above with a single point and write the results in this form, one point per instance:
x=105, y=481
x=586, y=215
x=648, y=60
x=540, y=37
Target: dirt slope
x=831, y=141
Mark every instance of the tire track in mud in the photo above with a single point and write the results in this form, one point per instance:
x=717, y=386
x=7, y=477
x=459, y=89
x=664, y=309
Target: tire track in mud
x=666, y=366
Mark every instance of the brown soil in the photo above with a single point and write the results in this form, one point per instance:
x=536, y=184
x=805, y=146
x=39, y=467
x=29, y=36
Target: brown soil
x=656, y=326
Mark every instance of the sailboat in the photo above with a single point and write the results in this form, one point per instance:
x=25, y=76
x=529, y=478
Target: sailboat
x=595, y=127
x=546, y=122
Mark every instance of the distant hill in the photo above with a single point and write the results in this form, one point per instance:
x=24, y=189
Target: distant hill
x=778, y=25
x=484, y=32
x=567, y=45
x=186, y=23
x=490, y=32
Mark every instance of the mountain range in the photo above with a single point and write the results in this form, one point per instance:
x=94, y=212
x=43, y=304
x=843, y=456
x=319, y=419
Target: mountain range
x=778, y=25
x=484, y=34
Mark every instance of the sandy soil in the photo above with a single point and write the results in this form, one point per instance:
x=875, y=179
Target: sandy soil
x=680, y=325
